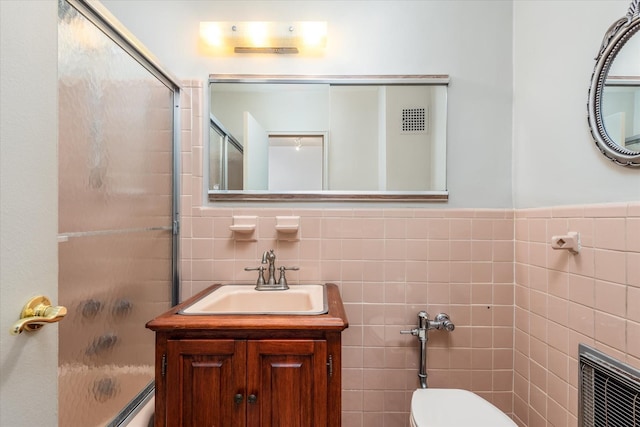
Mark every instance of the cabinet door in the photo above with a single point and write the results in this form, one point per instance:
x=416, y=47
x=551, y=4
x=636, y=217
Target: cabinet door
x=289, y=382
x=203, y=379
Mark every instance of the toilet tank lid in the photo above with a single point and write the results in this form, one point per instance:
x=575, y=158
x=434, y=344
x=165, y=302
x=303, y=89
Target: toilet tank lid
x=433, y=407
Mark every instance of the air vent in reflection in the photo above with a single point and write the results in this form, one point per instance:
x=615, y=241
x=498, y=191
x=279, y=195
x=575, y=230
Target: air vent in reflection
x=414, y=120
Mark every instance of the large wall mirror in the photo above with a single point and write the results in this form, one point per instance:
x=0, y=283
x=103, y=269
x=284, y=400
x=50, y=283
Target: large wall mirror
x=614, y=95
x=327, y=138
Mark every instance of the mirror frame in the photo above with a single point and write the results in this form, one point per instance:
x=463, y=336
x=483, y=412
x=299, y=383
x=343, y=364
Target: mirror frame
x=328, y=195
x=615, y=38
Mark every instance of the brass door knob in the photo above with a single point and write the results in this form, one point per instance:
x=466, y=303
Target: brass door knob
x=36, y=312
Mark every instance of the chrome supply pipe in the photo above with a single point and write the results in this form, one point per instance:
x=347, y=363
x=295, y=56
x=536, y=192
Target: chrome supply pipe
x=423, y=321
x=441, y=322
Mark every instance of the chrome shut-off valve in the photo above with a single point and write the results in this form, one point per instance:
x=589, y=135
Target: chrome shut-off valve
x=441, y=321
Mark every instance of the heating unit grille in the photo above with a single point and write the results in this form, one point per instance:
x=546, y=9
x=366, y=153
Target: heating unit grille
x=608, y=391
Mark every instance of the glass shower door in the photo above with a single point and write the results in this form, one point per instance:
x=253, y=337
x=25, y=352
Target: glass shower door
x=226, y=161
x=116, y=220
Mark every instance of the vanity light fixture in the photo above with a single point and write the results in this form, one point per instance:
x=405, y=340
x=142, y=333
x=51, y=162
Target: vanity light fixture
x=306, y=37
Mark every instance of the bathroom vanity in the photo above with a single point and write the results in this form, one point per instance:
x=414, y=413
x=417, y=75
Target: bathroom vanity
x=247, y=369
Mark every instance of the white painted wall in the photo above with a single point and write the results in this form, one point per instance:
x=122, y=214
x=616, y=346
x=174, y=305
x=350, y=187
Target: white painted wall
x=29, y=208
x=469, y=40
x=555, y=161
x=530, y=57
x=353, y=157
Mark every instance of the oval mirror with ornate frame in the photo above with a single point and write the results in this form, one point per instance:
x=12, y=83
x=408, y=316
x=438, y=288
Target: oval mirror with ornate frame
x=614, y=94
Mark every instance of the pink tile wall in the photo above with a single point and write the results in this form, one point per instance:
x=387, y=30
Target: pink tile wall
x=392, y=263
x=563, y=299
x=389, y=265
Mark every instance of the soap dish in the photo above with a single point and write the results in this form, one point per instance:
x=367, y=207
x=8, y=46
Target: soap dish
x=287, y=224
x=242, y=228
x=288, y=227
x=244, y=225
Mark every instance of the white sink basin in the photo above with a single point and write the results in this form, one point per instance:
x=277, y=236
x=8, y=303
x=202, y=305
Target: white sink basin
x=244, y=299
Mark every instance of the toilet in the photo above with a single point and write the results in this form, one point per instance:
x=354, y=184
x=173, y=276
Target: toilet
x=442, y=407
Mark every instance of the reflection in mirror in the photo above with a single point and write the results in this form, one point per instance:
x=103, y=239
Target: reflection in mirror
x=614, y=95
x=621, y=97
x=328, y=138
x=621, y=112
x=225, y=159
x=296, y=163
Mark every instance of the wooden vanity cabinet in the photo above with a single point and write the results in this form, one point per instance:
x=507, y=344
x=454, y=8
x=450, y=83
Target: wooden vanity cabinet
x=246, y=382
x=202, y=378
x=256, y=371
x=289, y=380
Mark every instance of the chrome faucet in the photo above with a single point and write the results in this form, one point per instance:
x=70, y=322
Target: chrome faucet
x=270, y=257
x=270, y=283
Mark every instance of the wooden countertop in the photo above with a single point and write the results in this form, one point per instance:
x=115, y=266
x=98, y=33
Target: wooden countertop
x=171, y=321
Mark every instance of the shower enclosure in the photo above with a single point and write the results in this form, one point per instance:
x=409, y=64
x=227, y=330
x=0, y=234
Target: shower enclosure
x=226, y=162
x=117, y=214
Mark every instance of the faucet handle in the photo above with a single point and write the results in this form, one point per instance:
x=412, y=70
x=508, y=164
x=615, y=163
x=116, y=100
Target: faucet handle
x=260, y=270
x=421, y=333
x=282, y=281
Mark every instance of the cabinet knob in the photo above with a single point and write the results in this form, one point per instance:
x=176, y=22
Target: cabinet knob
x=237, y=399
x=252, y=398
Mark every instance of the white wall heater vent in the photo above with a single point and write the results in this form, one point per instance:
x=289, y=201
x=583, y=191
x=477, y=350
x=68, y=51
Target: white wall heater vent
x=608, y=391
x=414, y=120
